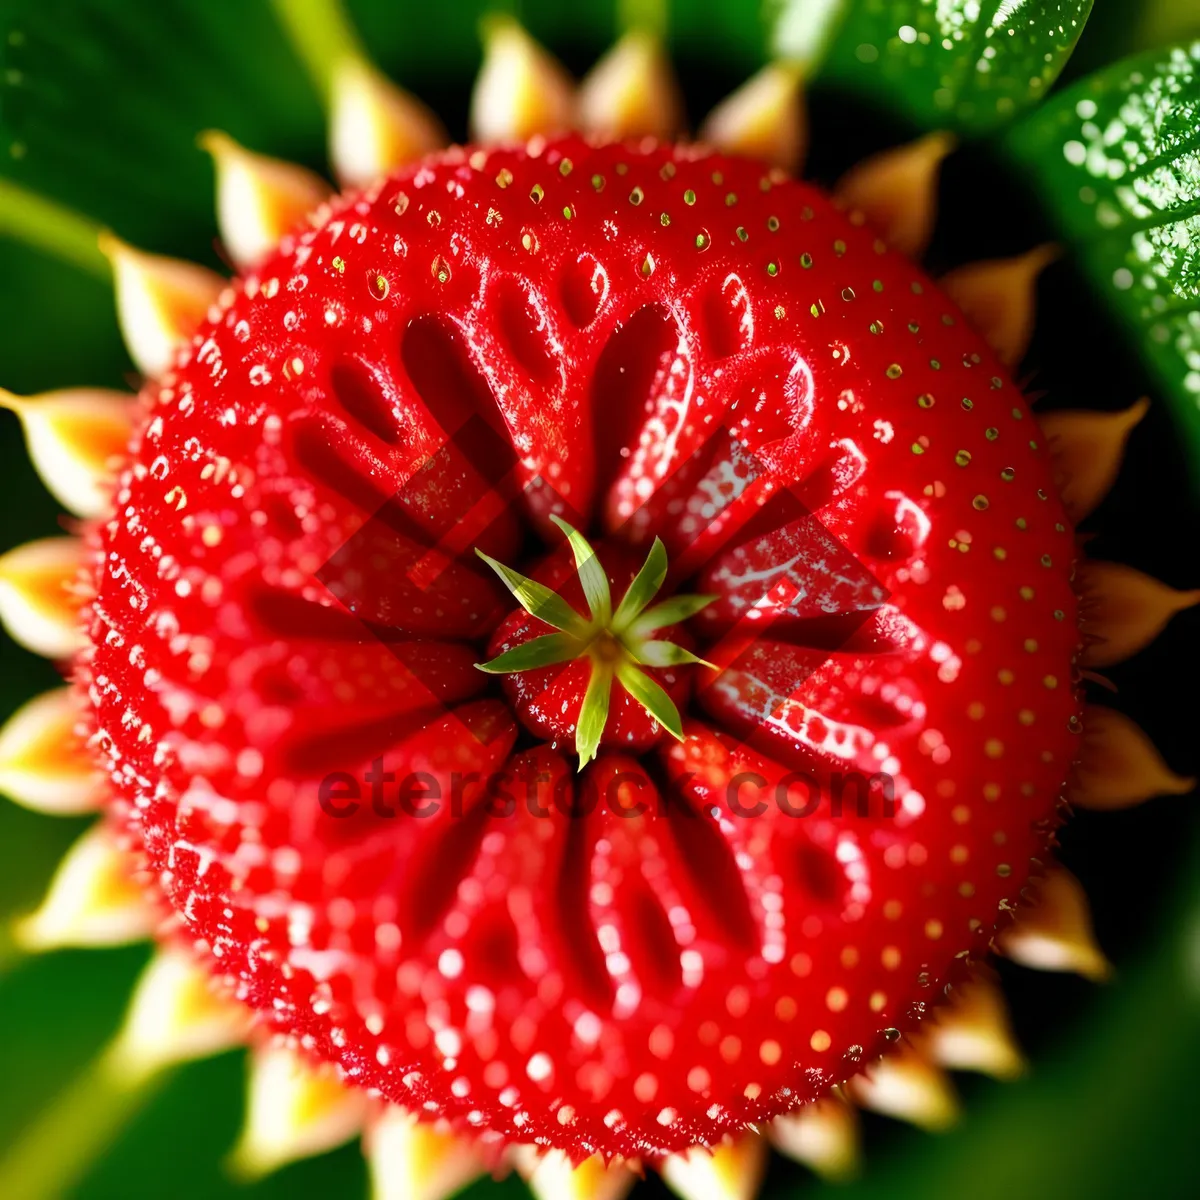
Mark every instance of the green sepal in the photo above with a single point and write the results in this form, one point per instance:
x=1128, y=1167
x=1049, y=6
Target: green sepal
x=591, y=574
x=651, y=697
x=593, y=714
x=537, y=599
x=540, y=652
x=667, y=654
x=669, y=612
x=644, y=587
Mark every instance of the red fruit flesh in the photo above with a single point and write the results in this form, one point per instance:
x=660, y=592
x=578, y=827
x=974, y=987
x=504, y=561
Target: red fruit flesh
x=681, y=940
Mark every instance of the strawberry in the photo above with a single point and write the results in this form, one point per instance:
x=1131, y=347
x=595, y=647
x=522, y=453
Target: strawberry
x=761, y=561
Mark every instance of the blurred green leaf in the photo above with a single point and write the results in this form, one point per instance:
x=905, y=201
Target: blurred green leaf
x=101, y=103
x=1116, y=162
x=965, y=65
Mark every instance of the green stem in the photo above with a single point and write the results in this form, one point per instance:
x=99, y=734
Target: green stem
x=56, y=1150
x=321, y=35
x=32, y=219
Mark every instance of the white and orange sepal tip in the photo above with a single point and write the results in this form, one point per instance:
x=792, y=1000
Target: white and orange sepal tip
x=896, y=190
x=1121, y=610
x=1055, y=932
x=375, y=126
x=522, y=91
x=632, y=91
x=731, y=1171
x=972, y=1032
x=1086, y=449
x=1118, y=766
x=259, y=199
x=823, y=1136
x=553, y=1176
x=176, y=1015
x=295, y=1109
x=417, y=1160
x=999, y=298
x=76, y=438
x=160, y=302
x=41, y=594
x=93, y=900
x=764, y=119
x=908, y=1086
x=44, y=763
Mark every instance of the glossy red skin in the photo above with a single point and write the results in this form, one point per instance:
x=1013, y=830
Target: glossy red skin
x=622, y=983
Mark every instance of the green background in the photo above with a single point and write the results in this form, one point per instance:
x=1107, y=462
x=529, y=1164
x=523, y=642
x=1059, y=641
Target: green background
x=100, y=104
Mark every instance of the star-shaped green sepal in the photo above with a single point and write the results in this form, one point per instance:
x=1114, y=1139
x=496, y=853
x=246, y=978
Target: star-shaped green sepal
x=619, y=643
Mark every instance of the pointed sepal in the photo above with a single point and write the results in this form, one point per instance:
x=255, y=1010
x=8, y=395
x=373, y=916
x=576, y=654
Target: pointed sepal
x=553, y=1176
x=177, y=1015
x=375, y=126
x=41, y=594
x=972, y=1031
x=1086, y=449
x=259, y=199
x=732, y=1171
x=897, y=191
x=294, y=1109
x=999, y=298
x=77, y=439
x=906, y=1085
x=764, y=119
x=1055, y=933
x=1121, y=611
x=823, y=1135
x=160, y=302
x=521, y=91
x=632, y=92
x=44, y=763
x=1118, y=766
x=93, y=900
x=417, y=1160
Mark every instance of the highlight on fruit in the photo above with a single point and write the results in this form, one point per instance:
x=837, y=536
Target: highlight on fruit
x=589, y=641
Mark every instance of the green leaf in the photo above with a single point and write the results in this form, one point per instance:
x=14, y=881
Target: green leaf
x=669, y=612
x=1116, y=161
x=591, y=573
x=593, y=714
x=644, y=587
x=540, y=652
x=667, y=654
x=538, y=599
x=651, y=697
x=965, y=65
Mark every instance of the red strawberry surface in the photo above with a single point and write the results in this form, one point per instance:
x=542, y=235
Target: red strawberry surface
x=386, y=850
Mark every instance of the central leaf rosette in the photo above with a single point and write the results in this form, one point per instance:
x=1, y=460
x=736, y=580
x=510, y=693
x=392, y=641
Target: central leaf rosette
x=617, y=644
